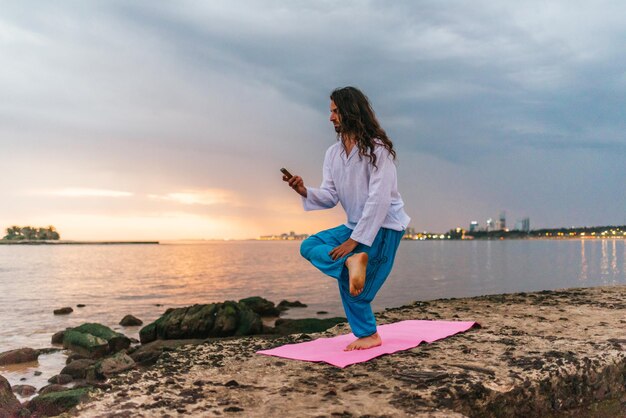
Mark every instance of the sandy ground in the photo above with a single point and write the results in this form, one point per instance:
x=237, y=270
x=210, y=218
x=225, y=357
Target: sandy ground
x=551, y=353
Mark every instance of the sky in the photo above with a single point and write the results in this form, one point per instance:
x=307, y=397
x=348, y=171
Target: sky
x=170, y=120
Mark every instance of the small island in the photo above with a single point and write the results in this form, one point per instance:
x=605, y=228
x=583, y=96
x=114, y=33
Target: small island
x=29, y=235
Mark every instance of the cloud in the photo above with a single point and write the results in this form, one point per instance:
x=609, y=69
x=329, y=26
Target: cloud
x=82, y=192
x=204, y=197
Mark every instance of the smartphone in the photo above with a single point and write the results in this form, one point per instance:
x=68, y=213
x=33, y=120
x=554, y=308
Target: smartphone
x=286, y=173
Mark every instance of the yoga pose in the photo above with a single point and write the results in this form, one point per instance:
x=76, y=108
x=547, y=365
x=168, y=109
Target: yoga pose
x=360, y=173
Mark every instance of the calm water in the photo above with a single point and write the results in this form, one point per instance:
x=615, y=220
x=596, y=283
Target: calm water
x=116, y=280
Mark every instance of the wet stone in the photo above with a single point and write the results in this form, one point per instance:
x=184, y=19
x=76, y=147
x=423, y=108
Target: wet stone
x=233, y=409
x=63, y=311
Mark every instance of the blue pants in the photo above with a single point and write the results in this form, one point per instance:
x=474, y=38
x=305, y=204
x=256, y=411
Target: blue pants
x=381, y=255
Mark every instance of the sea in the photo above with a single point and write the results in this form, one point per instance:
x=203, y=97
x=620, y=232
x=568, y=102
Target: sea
x=145, y=280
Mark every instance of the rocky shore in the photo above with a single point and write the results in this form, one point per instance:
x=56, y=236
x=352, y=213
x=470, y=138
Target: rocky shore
x=549, y=354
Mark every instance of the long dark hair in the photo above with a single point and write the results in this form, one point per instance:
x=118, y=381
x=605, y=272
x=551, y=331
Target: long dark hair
x=359, y=120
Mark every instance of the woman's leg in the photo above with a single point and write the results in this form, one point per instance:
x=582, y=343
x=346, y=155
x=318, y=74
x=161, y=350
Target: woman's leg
x=358, y=308
x=317, y=247
x=381, y=256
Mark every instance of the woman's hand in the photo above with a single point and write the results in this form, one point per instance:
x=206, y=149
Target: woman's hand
x=297, y=184
x=344, y=249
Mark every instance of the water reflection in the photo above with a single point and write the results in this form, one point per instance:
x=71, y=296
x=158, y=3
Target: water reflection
x=474, y=258
x=488, y=261
x=614, y=268
x=583, y=262
x=604, y=263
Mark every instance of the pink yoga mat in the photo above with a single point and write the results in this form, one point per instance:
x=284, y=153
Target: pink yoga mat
x=396, y=337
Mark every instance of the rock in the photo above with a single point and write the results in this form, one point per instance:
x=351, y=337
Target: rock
x=9, y=405
x=73, y=357
x=53, y=387
x=21, y=355
x=130, y=321
x=94, y=340
x=56, y=403
x=285, y=304
x=146, y=358
x=233, y=409
x=24, y=390
x=261, y=306
x=202, y=321
x=109, y=366
x=85, y=344
x=78, y=368
x=308, y=325
x=61, y=379
x=48, y=350
x=63, y=311
x=57, y=337
x=117, y=341
x=148, y=354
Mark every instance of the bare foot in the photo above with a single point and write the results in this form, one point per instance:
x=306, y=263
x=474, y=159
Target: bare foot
x=365, y=343
x=357, y=264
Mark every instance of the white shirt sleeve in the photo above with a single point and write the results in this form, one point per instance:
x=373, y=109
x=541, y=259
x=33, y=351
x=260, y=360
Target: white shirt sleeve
x=324, y=197
x=382, y=180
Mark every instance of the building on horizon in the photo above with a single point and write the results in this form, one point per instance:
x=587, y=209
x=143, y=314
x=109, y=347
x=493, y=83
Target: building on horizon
x=523, y=225
x=473, y=226
x=501, y=225
x=526, y=224
x=291, y=236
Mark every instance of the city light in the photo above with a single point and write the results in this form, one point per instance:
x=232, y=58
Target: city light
x=521, y=231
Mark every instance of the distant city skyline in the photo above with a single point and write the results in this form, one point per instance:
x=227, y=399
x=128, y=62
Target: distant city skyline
x=164, y=121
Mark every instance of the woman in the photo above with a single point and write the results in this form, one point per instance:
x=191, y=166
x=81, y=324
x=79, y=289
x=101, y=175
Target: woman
x=359, y=172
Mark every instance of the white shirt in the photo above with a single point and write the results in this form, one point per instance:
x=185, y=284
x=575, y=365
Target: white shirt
x=368, y=195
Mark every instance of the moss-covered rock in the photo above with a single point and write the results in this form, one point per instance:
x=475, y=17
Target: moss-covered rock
x=94, y=340
x=109, y=366
x=261, y=306
x=202, y=321
x=116, y=340
x=285, y=304
x=308, y=325
x=56, y=403
x=148, y=333
x=85, y=344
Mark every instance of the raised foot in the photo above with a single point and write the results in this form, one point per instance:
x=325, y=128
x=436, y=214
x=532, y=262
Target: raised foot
x=364, y=343
x=357, y=266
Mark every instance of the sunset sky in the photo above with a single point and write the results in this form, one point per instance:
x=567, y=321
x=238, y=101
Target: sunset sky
x=170, y=120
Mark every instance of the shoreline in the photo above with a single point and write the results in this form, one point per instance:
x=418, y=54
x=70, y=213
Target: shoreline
x=61, y=242
x=548, y=353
